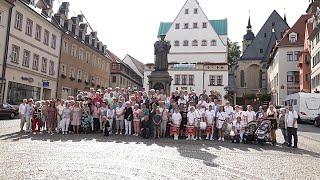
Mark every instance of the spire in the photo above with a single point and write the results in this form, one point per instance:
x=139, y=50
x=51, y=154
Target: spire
x=249, y=23
x=285, y=16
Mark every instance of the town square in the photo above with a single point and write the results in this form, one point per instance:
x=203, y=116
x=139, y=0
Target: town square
x=184, y=89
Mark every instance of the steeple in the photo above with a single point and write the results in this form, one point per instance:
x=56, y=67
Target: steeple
x=249, y=24
x=249, y=36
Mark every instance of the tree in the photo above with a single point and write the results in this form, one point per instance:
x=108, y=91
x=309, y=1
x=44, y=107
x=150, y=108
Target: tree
x=233, y=51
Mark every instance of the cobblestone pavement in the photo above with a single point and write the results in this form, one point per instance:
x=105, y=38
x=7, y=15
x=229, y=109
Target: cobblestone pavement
x=92, y=156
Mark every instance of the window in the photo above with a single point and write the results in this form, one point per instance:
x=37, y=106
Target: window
x=114, y=79
x=86, y=77
x=29, y=27
x=195, y=11
x=177, y=26
x=219, y=80
x=38, y=32
x=18, y=22
x=204, y=25
x=194, y=43
x=184, y=80
x=186, y=11
x=73, y=51
x=63, y=69
x=296, y=55
x=44, y=65
x=51, y=68
x=177, y=79
x=72, y=75
x=212, y=80
x=265, y=35
x=46, y=37
x=1, y=13
x=195, y=25
x=81, y=54
x=242, y=84
x=204, y=43
x=26, y=58
x=290, y=56
x=293, y=77
x=191, y=79
x=261, y=50
x=214, y=43
x=65, y=46
x=99, y=63
x=292, y=37
x=54, y=41
x=186, y=25
x=186, y=43
x=87, y=57
x=176, y=43
x=15, y=54
x=79, y=74
x=317, y=38
x=35, y=63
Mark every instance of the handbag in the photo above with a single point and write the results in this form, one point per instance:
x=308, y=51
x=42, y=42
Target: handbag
x=203, y=125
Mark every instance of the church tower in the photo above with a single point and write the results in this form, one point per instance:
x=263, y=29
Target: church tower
x=249, y=37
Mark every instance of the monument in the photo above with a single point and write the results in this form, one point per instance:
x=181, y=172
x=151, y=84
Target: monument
x=160, y=78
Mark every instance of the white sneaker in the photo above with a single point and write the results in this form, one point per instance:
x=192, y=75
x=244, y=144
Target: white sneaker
x=121, y=133
x=219, y=139
x=194, y=139
x=200, y=138
x=116, y=133
x=211, y=139
x=222, y=139
x=207, y=138
x=187, y=139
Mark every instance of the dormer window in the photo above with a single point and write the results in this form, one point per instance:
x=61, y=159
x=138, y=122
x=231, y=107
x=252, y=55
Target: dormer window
x=185, y=43
x=293, y=37
x=186, y=11
x=186, y=26
x=177, y=26
x=195, y=11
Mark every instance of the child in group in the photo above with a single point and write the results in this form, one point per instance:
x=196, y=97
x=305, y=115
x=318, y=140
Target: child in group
x=210, y=116
x=190, y=130
x=238, y=129
x=221, y=116
x=176, y=120
x=156, y=122
x=106, y=125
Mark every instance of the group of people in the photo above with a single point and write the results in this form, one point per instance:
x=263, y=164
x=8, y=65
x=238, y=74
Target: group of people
x=151, y=114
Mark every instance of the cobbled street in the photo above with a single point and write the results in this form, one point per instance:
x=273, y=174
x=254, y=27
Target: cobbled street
x=93, y=156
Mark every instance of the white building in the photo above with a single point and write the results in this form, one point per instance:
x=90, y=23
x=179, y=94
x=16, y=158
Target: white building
x=135, y=65
x=33, y=53
x=283, y=70
x=198, y=56
x=315, y=55
x=5, y=10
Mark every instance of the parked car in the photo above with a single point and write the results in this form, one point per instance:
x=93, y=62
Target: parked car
x=317, y=121
x=8, y=111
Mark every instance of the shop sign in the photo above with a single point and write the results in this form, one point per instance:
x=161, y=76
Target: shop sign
x=45, y=84
x=25, y=78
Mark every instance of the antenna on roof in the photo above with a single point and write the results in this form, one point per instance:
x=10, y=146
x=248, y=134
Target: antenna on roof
x=86, y=20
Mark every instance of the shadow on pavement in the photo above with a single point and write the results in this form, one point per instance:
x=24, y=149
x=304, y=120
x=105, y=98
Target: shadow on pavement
x=190, y=149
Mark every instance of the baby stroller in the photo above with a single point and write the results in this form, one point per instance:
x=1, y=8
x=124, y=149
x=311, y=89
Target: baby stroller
x=249, y=134
x=263, y=133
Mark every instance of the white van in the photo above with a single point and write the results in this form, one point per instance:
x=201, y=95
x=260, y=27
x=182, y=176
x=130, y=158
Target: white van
x=307, y=105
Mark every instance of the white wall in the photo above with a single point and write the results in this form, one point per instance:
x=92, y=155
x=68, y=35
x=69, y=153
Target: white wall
x=315, y=70
x=4, y=9
x=129, y=62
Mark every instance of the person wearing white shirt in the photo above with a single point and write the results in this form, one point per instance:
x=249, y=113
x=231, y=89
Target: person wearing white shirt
x=191, y=122
x=210, y=116
x=60, y=108
x=22, y=110
x=176, y=121
x=199, y=118
x=119, y=118
x=229, y=110
x=110, y=116
x=250, y=115
x=292, y=126
x=238, y=129
x=221, y=118
x=28, y=115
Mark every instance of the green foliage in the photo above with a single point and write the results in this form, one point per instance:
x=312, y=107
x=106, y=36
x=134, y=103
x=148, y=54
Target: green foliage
x=234, y=51
x=266, y=97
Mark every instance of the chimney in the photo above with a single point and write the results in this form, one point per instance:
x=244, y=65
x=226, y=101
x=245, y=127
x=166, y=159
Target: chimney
x=68, y=25
x=88, y=39
x=64, y=9
x=83, y=31
x=75, y=25
x=99, y=46
x=94, y=34
x=59, y=19
x=104, y=49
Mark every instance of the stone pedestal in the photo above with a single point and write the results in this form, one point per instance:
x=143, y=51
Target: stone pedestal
x=160, y=80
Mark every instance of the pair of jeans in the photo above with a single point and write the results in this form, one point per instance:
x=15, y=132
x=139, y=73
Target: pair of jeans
x=128, y=126
x=292, y=132
x=28, y=123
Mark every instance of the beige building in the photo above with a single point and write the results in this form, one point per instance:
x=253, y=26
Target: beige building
x=33, y=53
x=123, y=75
x=83, y=64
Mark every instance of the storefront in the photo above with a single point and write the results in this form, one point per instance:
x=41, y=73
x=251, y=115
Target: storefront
x=21, y=85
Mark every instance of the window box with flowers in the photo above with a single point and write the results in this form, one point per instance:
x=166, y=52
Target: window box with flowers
x=72, y=78
x=63, y=76
x=79, y=80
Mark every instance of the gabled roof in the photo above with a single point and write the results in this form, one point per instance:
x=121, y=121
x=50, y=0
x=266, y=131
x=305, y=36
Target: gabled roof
x=262, y=45
x=138, y=64
x=220, y=26
x=113, y=57
x=299, y=27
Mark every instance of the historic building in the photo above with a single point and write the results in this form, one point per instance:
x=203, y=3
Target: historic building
x=198, y=55
x=250, y=71
x=122, y=74
x=283, y=66
x=33, y=52
x=5, y=17
x=83, y=64
x=135, y=65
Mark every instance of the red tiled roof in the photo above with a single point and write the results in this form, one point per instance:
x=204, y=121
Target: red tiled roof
x=112, y=56
x=299, y=28
x=138, y=64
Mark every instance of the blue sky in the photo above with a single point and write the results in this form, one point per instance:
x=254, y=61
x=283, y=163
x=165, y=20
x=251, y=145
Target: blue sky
x=130, y=26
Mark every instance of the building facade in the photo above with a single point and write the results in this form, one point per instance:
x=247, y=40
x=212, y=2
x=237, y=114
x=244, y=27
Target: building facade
x=5, y=17
x=83, y=64
x=195, y=42
x=250, y=71
x=33, y=53
x=135, y=65
x=283, y=66
x=123, y=75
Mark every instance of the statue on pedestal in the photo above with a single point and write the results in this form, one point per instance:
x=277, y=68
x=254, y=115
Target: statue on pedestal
x=161, y=51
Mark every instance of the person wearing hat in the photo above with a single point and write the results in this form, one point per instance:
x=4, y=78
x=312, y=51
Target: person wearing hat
x=96, y=117
x=128, y=117
x=119, y=117
x=156, y=123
